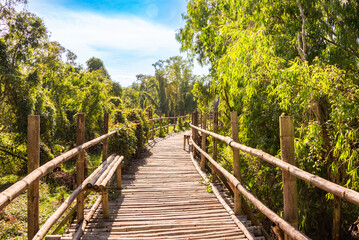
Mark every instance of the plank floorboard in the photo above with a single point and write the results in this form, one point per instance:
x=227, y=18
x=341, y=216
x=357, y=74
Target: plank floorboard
x=163, y=197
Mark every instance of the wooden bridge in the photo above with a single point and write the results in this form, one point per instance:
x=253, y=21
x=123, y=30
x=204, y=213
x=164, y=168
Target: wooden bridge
x=162, y=197
x=166, y=194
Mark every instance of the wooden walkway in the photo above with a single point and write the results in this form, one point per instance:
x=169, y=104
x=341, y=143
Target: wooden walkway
x=163, y=198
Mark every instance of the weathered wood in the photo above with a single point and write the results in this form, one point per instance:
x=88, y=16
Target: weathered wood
x=119, y=176
x=204, y=139
x=214, y=149
x=168, y=123
x=104, y=174
x=100, y=170
x=53, y=237
x=106, y=118
x=105, y=210
x=290, y=199
x=82, y=227
x=66, y=204
x=17, y=188
x=67, y=217
x=175, y=122
x=336, y=218
x=110, y=173
x=236, y=164
x=340, y=191
x=152, y=127
x=194, y=131
x=33, y=154
x=80, y=164
x=163, y=199
x=284, y=225
x=221, y=200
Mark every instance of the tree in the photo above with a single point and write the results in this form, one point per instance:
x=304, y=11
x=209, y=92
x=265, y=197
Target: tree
x=261, y=51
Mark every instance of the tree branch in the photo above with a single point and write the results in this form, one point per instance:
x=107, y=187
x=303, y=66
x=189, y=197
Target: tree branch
x=302, y=49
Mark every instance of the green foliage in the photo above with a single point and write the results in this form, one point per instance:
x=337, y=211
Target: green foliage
x=167, y=92
x=272, y=58
x=132, y=129
x=13, y=219
x=124, y=142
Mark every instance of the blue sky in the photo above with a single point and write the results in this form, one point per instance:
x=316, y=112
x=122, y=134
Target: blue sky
x=128, y=36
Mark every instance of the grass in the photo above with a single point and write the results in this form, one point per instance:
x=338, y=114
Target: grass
x=13, y=218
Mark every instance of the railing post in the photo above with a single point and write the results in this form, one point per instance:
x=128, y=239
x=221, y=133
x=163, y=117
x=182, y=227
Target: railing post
x=290, y=195
x=175, y=122
x=168, y=122
x=105, y=209
x=204, y=138
x=160, y=122
x=33, y=154
x=80, y=164
x=119, y=176
x=152, y=126
x=236, y=164
x=194, y=131
x=214, y=149
x=105, y=131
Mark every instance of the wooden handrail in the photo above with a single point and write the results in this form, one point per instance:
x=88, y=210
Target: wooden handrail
x=285, y=226
x=340, y=191
x=19, y=187
x=108, y=164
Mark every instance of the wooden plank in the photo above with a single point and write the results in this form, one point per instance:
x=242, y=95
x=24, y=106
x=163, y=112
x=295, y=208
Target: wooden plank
x=162, y=197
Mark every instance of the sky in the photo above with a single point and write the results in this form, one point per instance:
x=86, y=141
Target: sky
x=127, y=35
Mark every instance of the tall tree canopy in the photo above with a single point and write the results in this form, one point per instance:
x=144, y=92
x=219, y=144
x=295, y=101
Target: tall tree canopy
x=167, y=92
x=34, y=79
x=300, y=58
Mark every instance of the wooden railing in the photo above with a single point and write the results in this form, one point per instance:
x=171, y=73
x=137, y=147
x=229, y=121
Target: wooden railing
x=97, y=181
x=160, y=121
x=100, y=177
x=287, y=164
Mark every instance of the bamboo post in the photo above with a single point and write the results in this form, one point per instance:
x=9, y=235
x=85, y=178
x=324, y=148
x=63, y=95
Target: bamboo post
x=80, y=164
x=194, y=131
x=33, y=153
x=119, y=176
x=105, y=130
x=168, y=122
x=236, y=164
x=105, y=210
x=214, y=149
x=175, y=122
x=160, y=122
x=290, y=198
x=204, y=138
x=153, y=131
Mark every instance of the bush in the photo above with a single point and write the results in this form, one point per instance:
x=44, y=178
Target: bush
x=132, y=134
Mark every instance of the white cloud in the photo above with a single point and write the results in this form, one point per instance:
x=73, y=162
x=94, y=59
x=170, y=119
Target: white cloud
x=128, y=45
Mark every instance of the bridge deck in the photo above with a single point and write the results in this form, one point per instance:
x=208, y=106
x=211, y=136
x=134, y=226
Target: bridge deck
x=163, y=198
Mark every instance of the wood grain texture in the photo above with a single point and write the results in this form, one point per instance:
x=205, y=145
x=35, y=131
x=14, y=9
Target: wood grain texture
x=162, y=197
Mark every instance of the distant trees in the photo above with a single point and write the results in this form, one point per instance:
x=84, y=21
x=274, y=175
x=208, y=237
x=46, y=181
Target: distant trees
x=35, y=80
x=169, y=91
x=299, y=58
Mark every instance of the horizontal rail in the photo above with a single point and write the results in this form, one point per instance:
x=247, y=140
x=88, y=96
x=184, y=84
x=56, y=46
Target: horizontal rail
x=285, y=226
x=156, y=119
x=340, y=191
x=66, y=204
x=19, y=187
